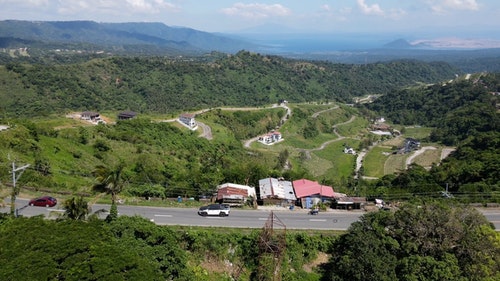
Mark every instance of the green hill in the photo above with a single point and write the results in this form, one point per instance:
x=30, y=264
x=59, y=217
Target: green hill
x=164, y=159
x=161, y=85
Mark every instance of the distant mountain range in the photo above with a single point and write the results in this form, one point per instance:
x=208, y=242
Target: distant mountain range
x=117, y=36
x=42, y=38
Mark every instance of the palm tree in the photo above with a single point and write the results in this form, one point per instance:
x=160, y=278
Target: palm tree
x=76, y=208
x=111, y=182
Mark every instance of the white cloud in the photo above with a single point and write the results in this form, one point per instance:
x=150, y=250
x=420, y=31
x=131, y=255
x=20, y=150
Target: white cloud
x=373, y=9
x=27, y=3
x=37, y=2
x=328, y=13
x=326, y=7
x=446, y=5
x=397, y=13
x=151, y=6
x=257, y=10
x=113, y=7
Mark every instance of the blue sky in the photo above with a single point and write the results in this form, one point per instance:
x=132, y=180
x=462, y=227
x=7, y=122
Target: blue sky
x=311, y=16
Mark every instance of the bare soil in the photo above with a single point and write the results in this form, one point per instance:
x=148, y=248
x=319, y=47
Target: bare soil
x=322, y=258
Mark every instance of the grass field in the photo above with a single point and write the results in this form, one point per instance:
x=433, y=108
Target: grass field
x=428, y=157
x=416, y=132
x=395, y=164
x=375, y=160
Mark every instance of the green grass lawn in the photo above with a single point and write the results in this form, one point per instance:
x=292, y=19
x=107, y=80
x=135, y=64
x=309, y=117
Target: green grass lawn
x=417, y=132
x=428, y=158
x=375, y=160
x=341, y=164
x=395, y=163
x=354, y=128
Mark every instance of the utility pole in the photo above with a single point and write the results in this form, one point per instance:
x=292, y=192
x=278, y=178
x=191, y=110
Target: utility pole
x=15, y=190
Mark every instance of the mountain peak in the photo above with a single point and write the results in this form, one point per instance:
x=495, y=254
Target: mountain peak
x=399, y=44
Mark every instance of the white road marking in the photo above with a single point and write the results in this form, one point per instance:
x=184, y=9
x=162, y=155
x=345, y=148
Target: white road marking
x=168, y=216
x=316, y=220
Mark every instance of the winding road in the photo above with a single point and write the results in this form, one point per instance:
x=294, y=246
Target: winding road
x=339, y=137
x=207, y=133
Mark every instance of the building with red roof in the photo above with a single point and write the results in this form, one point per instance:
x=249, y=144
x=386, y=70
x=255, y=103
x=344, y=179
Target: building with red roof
x=311, y=192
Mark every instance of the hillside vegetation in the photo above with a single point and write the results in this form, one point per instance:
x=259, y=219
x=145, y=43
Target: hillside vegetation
x=162, y=159
x=161, y=85
x=463, y=113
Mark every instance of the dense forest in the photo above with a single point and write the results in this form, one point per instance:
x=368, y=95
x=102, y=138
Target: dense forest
x=162, y=85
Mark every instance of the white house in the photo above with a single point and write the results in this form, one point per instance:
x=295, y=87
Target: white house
x=187, y=119
x=270, y=138
x=349, y=150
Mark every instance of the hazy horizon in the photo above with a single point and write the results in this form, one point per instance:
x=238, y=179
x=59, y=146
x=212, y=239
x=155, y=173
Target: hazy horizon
x=463, y=17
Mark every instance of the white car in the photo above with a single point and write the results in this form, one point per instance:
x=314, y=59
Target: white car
x=221, y=210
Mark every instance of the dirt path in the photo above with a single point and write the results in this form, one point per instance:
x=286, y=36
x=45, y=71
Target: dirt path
x=323, y=145
x=322, y=111
x=359, y=162
x=412, y=157
x=346, y=122
x=206, y=131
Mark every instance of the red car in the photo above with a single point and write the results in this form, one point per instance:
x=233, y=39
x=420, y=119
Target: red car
x=44, y=201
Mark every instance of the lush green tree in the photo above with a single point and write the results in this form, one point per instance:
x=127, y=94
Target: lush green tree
x=161, y=245
x=83, y=135
x=282, y=159
x=76, y=208
x=110, y=181
x=424, y=241
x=416, y=180
x=310, y=130
x=42, y=165
x=40, y=249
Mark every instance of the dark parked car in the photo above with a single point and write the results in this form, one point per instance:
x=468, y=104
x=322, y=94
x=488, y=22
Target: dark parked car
x=221, y=210
x=44, y=201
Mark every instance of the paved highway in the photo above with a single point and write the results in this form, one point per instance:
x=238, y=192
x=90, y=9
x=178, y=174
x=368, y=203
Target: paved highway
x=296, y=219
